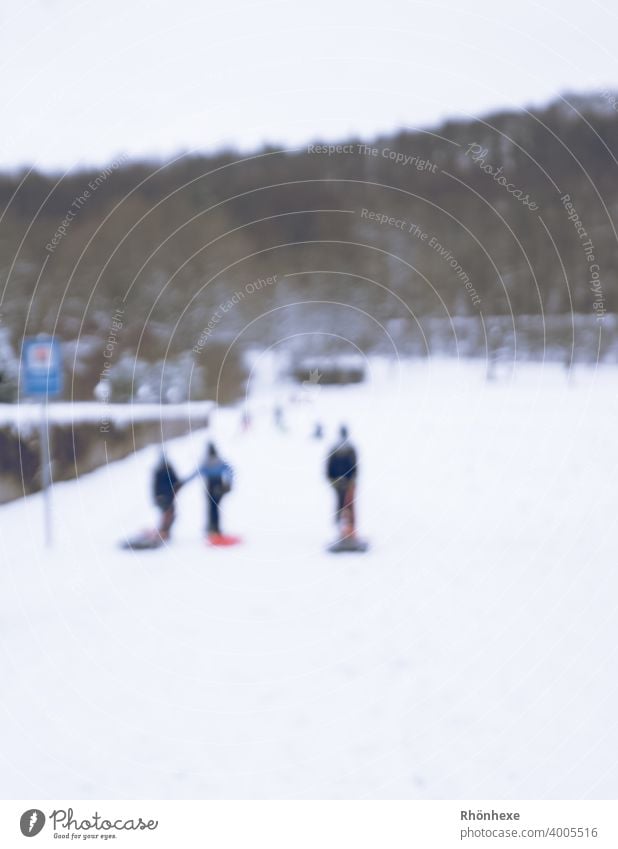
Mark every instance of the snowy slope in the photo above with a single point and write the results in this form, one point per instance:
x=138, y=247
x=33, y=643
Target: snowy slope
x=471, y=653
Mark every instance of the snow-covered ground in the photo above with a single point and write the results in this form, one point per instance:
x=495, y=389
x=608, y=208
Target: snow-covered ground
x=28, y=413
x=472, y=653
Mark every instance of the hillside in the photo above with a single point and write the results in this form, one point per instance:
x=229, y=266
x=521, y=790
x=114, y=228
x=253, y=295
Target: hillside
x=511, y=214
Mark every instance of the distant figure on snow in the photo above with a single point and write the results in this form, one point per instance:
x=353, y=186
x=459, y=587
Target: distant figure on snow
x=165, y=485
x=341, y=471
x=245, y=420
x=279, y=418
x=318, y=431
x=217, y=476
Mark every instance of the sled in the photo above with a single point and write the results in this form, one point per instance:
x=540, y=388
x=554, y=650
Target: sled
x=348, y=543
x=146, y=541
x=223, y=539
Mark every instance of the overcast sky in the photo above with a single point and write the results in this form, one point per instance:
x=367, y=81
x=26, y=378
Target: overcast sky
x=83, y=82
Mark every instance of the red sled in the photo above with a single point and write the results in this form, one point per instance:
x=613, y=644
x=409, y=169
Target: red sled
x=223, y=539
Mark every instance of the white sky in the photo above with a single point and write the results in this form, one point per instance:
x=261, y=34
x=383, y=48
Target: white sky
x=82, y=82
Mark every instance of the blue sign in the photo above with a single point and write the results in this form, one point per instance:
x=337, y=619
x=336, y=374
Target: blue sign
x=41, y=363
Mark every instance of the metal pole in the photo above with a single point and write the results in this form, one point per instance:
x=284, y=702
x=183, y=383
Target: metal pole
x=45, y=473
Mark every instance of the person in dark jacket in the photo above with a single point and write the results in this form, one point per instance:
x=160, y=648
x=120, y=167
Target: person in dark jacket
x=217, y=476
x=166, y=484
x=341, y=471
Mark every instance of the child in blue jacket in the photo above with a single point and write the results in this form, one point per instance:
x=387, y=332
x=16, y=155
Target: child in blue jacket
x=217, y=476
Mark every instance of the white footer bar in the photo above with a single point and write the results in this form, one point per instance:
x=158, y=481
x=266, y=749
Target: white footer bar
x=310, y=824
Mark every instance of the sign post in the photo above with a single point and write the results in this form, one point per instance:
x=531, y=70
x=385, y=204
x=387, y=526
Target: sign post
x=42, y=379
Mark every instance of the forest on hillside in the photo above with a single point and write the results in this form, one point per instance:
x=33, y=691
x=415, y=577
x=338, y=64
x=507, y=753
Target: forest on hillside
x=139, y=267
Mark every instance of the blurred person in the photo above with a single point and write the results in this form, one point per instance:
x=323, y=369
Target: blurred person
x=341, y=471
x=245, y=420
x=165, y=485
x=278, y=418
x=217, y=476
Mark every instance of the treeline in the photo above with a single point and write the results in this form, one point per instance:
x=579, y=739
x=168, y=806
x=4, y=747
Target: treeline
x=510, y=214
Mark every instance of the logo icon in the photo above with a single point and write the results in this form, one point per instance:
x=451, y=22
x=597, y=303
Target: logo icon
x=311, y=388
x=32, y=822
